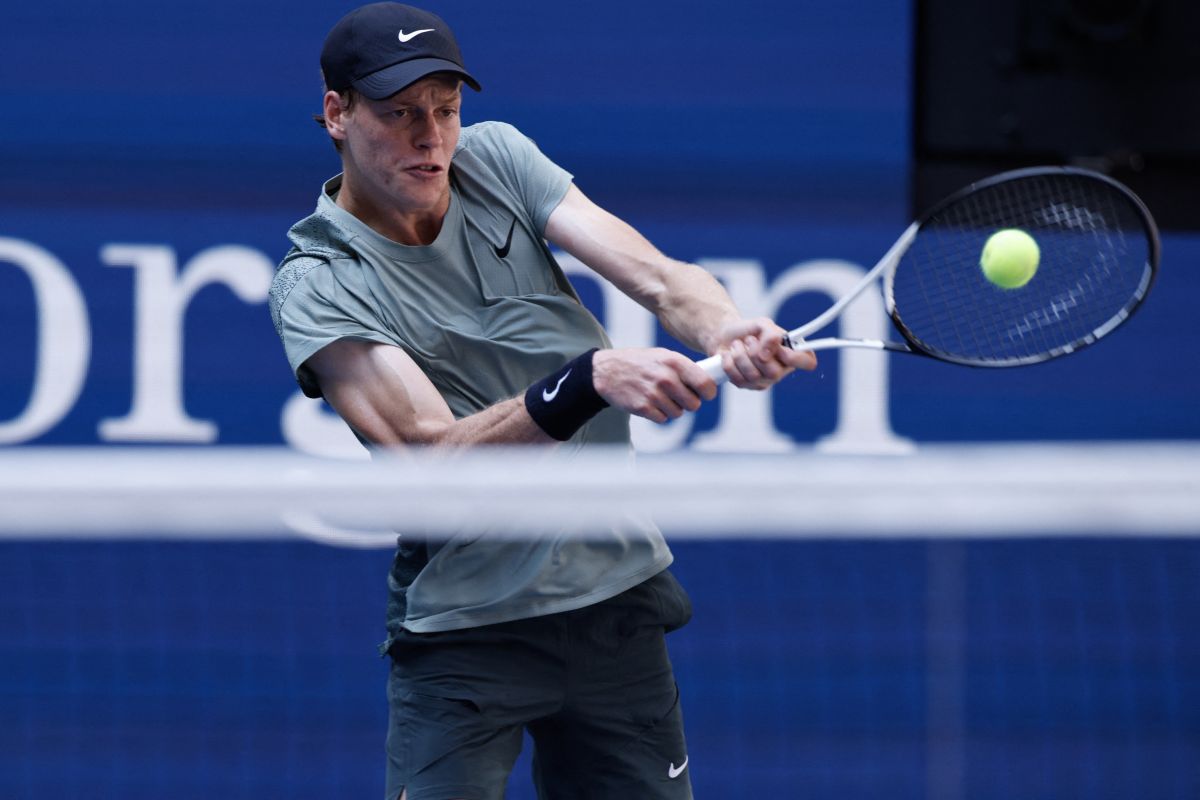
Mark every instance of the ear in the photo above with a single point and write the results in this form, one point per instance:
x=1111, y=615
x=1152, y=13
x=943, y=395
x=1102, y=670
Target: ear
x=335, y=115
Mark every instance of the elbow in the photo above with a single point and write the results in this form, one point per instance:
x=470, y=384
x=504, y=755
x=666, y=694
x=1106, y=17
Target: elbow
x=426, y=433
x=429, y=433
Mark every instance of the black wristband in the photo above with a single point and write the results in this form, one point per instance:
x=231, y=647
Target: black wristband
x=563, y=401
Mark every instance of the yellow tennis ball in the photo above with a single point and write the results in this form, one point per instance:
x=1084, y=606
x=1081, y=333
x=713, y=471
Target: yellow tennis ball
x=1010, y=258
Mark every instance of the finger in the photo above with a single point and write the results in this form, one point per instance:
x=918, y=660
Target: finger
x=742, y=328
x=691, y=385
x=699, y=381
x=748, y=373
x=771, y=366
x=798, y=359
x=647, y=407
x=655, y=415
x=687, y=384
x=669, y=408
x=685, y=397
x=731, y=370
x=764, y=346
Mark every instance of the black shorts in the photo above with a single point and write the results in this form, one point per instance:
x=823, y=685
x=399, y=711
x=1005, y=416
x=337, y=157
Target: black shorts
x=594, y=687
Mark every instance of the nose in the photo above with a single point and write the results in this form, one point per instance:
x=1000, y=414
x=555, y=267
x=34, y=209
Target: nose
x=426, y=133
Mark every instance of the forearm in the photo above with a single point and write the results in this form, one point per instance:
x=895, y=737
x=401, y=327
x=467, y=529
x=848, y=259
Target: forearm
x=377, y=421
x=381, y=393
x=506, y=422
x=551, y=409
x=691, y=304
x=390, y=411
x=694, y=307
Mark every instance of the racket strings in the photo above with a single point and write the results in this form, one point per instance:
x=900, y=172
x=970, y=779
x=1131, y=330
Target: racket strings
x=1094, y=256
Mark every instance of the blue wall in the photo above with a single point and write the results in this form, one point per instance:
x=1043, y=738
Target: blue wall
x=777, y=134
x=811, y=669
x=768, y=132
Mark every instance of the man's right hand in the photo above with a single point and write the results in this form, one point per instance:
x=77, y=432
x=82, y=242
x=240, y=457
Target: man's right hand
x=654, y=383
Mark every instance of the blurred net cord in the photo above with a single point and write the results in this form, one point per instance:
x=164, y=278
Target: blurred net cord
x=950, y=491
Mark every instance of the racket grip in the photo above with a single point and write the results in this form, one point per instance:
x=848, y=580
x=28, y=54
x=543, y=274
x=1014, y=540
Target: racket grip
x=712, y=365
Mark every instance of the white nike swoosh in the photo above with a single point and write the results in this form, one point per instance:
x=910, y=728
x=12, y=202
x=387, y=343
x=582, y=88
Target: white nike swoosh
x=674, y=772
x=548, y=395
x=406, y=37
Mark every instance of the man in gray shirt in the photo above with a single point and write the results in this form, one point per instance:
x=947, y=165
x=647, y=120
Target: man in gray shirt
x=422, y=302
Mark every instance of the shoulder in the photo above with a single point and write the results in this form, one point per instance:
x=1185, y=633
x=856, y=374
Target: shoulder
x=320, y=234
x=495, y=159
x=295, y=271
x=496, y=146
x=491, y=134
x=318, y=242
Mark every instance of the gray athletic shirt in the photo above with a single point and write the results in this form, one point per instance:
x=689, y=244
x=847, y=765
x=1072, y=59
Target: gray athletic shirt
x=484, y=311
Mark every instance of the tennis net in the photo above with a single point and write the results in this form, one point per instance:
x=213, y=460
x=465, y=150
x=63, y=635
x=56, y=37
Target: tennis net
x=963, y=622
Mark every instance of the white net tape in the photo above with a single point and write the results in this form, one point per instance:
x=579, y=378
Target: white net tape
x=943, y=491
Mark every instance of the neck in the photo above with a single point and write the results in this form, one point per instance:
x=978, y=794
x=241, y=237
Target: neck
x=410, y=226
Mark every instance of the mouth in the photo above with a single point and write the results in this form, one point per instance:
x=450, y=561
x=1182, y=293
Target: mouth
x=425, y=171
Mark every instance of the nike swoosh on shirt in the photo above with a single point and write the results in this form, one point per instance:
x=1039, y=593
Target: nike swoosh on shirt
x=407, y=37
x=674, y=772
x=548, y=395
x=501, y=252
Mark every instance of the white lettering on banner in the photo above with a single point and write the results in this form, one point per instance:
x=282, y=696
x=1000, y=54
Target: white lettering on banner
x=863, y=423
x=163, y=293
x=160, y=302
x=64, y=343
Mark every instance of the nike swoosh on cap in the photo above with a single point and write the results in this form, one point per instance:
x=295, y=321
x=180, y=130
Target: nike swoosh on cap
x=408, y=37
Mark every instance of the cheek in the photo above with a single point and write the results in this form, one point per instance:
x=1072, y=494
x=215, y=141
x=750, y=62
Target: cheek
x=378, y=151
x=450, y=137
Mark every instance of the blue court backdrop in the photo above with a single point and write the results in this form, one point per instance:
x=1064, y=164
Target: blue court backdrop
x=153, y=157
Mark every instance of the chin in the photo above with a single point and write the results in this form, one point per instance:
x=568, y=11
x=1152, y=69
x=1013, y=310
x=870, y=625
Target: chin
x=420, y=194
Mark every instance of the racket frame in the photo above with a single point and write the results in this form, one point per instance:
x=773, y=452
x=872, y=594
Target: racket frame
x=885, y=269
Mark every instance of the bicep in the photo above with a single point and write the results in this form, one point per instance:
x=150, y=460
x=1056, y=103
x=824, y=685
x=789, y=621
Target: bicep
x=380, y=392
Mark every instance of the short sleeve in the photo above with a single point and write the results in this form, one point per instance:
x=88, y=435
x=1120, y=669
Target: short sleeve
x=538, y=182
x=311, y=310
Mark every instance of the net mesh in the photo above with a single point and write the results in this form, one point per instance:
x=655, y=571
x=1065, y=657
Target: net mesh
x=1013, y=659
x=1095, y=263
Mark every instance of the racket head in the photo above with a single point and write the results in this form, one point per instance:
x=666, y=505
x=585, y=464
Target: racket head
x=1099, y=254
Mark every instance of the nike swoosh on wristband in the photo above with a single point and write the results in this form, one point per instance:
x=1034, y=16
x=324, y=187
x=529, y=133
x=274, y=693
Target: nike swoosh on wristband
x=501, y=252
x=408, y=37
x=547, y=396
x=674, y=772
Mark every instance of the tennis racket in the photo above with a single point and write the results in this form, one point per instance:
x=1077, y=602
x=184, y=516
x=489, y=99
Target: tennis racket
x=1099, y=252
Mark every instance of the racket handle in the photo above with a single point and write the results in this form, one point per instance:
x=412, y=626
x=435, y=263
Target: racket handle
x=712, y=365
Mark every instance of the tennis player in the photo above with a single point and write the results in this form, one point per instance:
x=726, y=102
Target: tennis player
x=422, y=302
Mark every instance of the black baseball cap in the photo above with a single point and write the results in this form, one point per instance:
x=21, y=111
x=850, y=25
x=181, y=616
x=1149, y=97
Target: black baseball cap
x=380, y=48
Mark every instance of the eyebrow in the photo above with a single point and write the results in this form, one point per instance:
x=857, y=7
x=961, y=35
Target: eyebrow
x=395, y=102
